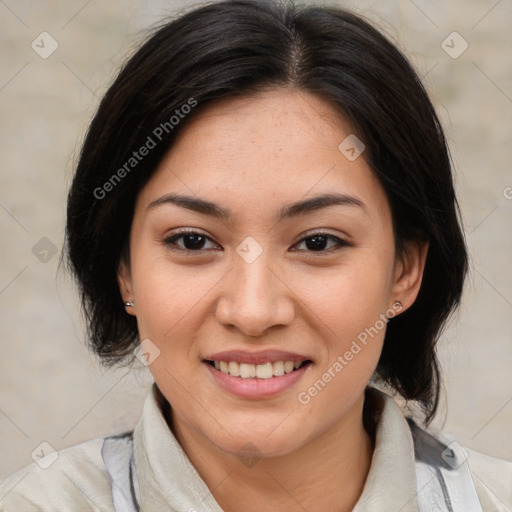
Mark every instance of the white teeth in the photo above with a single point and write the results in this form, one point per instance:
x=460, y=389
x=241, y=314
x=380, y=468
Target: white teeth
x=247, y=371
x=260, y=371
x=278, y=368
x=264, y=371
x=234, y=369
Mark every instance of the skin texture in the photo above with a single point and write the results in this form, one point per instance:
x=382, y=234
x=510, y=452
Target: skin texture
x=255, y=155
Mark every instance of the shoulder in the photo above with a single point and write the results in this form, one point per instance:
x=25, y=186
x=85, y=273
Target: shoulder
x=74, y=478
x=492, y=477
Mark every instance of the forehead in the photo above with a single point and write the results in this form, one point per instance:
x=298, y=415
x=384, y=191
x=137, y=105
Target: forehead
x=274, y=147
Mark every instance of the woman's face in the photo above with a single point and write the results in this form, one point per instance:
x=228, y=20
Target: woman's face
x=259, y=284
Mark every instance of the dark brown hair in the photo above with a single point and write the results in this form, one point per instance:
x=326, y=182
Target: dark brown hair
x=237, y=47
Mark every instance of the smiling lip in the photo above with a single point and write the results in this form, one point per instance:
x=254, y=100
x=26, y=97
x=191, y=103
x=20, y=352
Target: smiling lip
x=256, y=388
x=261, y=357
x=253, y=387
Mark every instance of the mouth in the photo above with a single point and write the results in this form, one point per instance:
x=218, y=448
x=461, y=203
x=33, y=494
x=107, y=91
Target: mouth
x=268, y=370
x=264, y=380
x=256, y=375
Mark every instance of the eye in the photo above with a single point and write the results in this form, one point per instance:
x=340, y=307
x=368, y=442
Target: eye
x=194, y=241
x=316, y=242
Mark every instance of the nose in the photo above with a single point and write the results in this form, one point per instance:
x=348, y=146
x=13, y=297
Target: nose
x=255, y=297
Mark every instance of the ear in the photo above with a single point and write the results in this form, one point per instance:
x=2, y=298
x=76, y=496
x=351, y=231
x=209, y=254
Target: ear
x=409, y=273
x=124, y=281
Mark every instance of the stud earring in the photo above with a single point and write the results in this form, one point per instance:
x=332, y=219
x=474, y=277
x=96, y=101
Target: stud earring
x=397, y=304
x=129, y=304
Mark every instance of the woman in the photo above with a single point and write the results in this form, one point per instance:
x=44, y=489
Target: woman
x=263, y=212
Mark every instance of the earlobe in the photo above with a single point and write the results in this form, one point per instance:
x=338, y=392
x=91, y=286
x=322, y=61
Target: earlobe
x=124, y=282
x=409, y=273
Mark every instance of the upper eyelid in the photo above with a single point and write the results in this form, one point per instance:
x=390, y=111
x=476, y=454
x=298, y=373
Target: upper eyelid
x=318, y=231
x=304, y=236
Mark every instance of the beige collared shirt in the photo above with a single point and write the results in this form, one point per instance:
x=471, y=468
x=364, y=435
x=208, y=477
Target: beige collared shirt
x=79, y=481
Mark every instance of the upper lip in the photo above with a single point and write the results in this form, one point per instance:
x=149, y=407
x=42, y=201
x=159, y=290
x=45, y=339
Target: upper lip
x=260, y=357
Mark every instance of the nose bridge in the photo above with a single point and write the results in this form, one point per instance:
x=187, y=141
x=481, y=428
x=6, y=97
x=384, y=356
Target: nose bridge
x=254, y=278
x=255, y=298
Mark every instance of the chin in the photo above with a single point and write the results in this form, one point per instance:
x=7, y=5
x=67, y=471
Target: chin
x=270, y=435
x=253, y=446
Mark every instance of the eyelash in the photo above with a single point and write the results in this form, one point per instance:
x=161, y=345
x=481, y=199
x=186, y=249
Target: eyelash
x=169, y=241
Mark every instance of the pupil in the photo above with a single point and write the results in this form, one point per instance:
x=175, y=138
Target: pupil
x=196, y=241
x=317, y=242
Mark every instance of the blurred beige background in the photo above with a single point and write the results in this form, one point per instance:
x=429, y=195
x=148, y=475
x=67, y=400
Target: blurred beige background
x=51, y=388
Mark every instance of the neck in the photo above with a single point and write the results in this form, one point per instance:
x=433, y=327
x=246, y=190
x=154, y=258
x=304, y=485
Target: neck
x=327, y=473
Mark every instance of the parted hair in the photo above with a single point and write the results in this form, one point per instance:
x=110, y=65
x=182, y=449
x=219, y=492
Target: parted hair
x=234, y=48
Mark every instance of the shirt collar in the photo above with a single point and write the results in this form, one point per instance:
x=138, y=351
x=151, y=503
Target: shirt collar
x=391, y=481
x=167, y=478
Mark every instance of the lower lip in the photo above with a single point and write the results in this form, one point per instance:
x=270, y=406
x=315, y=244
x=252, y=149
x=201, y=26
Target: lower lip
x=257, y=388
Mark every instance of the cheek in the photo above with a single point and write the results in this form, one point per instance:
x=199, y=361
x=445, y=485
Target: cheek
x=162, y=282
x=350, y=296
x=172, y=304
x=349, y=309
x=165, y=295
x=348, y=304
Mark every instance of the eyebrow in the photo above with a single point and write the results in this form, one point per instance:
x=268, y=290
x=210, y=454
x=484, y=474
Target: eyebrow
x=304, y=207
